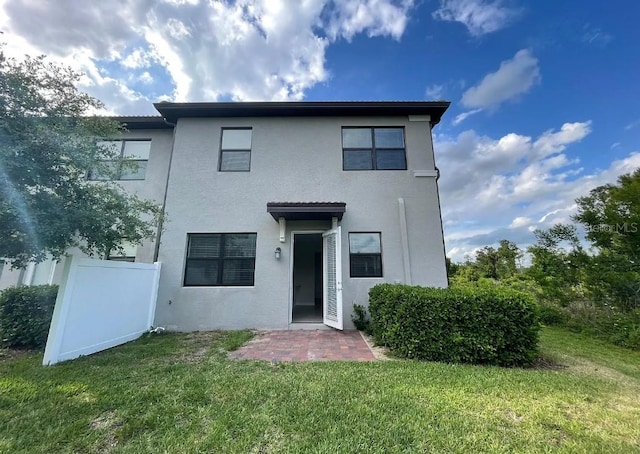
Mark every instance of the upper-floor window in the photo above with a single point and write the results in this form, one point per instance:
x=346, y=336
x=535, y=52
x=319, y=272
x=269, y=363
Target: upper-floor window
x=235, y=150
x=130, y=163
x=373, y=149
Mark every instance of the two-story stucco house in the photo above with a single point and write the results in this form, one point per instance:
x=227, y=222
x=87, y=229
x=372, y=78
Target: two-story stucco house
x=284, y=215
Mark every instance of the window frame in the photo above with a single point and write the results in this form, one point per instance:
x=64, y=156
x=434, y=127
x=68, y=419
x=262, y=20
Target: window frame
x=367, y=254
x=234, y=150
x=125, y=244
x=220, y=260
x=120, y=159
x=373, y=150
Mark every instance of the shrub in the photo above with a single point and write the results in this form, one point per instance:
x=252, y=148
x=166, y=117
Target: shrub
x=485, y=325
x=25, y=315
x=605, y=322
x=361, y=319
x=551, y=315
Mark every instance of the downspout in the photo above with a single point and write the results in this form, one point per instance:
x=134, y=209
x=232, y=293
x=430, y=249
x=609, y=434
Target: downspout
x=166, y=189
x=444, y=248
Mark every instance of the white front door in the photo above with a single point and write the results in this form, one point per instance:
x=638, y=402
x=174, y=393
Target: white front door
x=332, y=278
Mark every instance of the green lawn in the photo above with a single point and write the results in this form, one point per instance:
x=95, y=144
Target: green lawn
x=179, y=393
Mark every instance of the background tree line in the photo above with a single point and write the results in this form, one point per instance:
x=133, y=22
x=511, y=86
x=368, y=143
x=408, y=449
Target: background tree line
x=592, y=285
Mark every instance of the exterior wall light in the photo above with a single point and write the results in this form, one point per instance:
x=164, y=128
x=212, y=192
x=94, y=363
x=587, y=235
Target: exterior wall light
x=278, y=253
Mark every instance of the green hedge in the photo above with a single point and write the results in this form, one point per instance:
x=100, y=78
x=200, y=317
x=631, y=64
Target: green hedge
x=25, y=315
x=480, y=326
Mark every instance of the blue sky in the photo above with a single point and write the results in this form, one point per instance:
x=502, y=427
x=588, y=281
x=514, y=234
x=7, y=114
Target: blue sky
x=545, y=95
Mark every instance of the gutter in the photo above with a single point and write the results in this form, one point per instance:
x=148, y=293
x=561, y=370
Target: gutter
x=166, y=189
x=444, y=247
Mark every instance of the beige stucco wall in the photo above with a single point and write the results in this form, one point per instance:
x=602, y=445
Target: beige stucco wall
x=293, y=160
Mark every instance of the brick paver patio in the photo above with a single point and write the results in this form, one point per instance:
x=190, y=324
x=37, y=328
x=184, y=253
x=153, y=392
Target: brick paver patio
x=305, y=345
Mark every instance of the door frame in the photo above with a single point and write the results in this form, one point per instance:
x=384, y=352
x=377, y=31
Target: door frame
x=291, y=255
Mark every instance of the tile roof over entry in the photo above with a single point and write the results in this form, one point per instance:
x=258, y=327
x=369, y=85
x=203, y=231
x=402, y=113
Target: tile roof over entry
x=306, y=211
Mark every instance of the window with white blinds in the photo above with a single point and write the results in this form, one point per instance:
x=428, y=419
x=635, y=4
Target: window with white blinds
x=220, y=259
x=235, y=150
x=365, y=255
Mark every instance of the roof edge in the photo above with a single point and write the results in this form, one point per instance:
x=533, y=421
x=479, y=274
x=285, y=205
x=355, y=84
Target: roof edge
x=150, y=122
x=173, y=111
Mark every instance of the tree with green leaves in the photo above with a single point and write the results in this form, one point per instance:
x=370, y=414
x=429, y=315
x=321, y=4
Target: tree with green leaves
x=48, y=142
x=558, y=263
x=498, y=263
x=611, y=217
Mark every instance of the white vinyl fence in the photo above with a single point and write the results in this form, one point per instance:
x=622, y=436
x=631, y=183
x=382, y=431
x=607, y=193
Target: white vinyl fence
x=101, y=304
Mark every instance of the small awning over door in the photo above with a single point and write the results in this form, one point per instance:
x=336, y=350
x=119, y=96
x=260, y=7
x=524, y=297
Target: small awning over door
x=306, y=211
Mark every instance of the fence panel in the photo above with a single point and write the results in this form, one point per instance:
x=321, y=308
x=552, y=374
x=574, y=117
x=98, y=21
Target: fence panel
x=101, y=304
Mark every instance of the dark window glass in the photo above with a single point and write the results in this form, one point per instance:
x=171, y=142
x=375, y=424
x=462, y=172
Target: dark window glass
x=366, y=266
x=125, y=253
x=204, y=245
x=237, y=272
x=390, y=160
x=389, y=137
x=201, y=272
x=356, y=138
x=134, y=170
x=215, y=259
x=235, y=150
x=235, y=161
x=365, y=255
x=373, y=149
x=240, y=245
x=118, y=258
x=108, y=170
x=132, y=164
x=357, y=160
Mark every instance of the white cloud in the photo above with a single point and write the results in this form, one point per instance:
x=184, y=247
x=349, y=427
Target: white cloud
x=493, y=189
x=464, y=115
x=177, y=30
x=375, y=17
x=479, y=16
x=514, y=77
x=434, y=92
x=614, y=145
x=145, y=78
x=118, y=98
x=243, y=50
x=66, y=26
x=139, y=58
x=182, y=2
x=632, y=125
x=551, y=142
x=595, y=36
x=520, y=221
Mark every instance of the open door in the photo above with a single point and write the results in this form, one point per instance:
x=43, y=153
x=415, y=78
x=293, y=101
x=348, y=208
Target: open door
x=332, y=278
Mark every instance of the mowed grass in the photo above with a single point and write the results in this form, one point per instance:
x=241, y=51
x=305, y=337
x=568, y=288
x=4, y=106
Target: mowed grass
x=179, y=393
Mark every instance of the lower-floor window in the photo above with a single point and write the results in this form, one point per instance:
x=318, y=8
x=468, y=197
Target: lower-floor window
x=365, y=255
x=218, y=259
